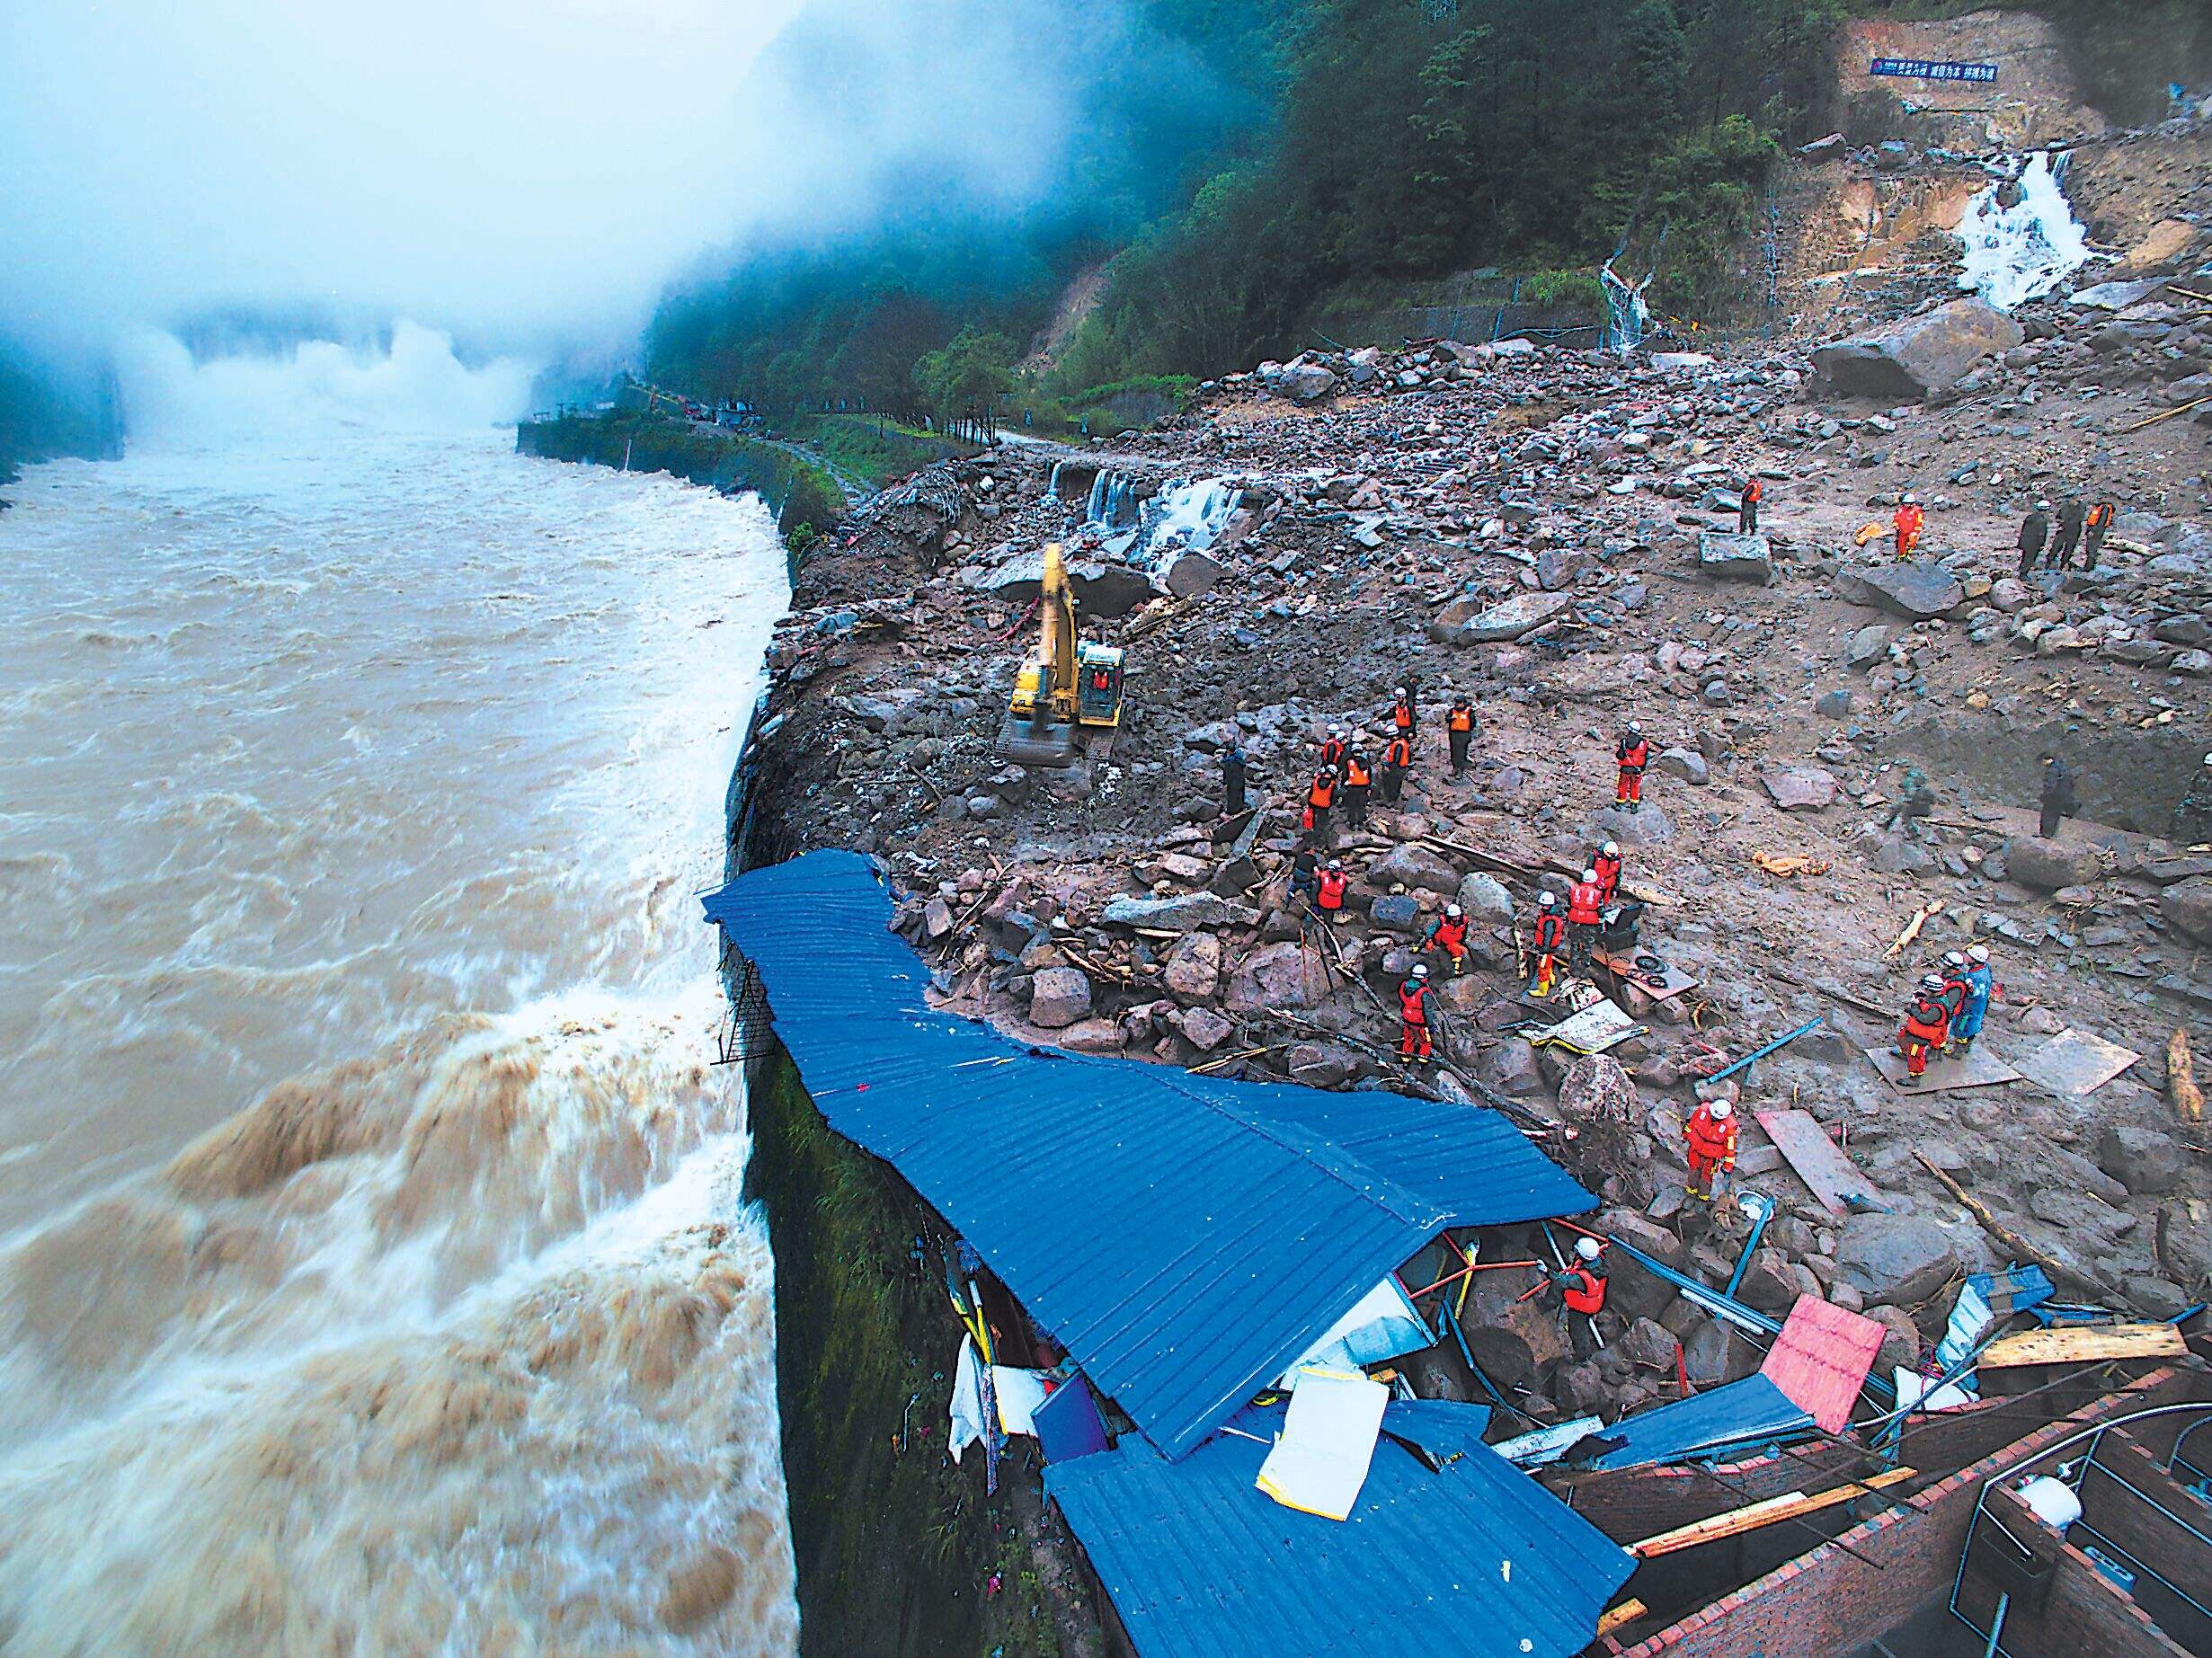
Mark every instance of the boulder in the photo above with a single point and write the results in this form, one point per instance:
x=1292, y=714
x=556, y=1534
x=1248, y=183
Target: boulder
x=1186, y=574
x=2186, y=906
x=1194, y=967
x=1916, y=589
x=1921, y=356
x=1800, y=788
x=1464, y=624
x=2045, y=865
x=2148, y=1163
x=1687, y=764
x=1322, y=1065
x=1283, y=975
x=1647, y=828
x=1060, y=997
x=1735, y=558
x=1397, y=913
x=1306, y=381
x=1092, y=1036
x=1511, y=1068
x=1868, y=646
x=1595, y=1088
x=1202, y=1027
x=1413, y=866
x=1485, y=898
x=1185, y=912
x=1895, y=1259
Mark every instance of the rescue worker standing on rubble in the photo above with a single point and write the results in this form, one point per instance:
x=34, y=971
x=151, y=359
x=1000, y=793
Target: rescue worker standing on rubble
x=1579, y=1288
x=1305, y=873
x=1358, y=777
x=1926, y=1027
x=2094, y=528
x=1606, y=863
x=2035, y=535
x=1459, y=730
x=1584, y=916
x=1332, y=748
x=1413, y=1014
x=2193, y=818
x=1710, y=1139
x=1911, y=520
x=1747, y=514
x=1321, y=796
x=1328, y=897
x=1547, y=939
x=1450, y=936
x=1631, y=755
x=2055, y=796
x=1404, y=720
x=1981, y=984
x=1232, y=781
x=1956, y=993
x=2071, y=514
x=1917, y=800
x=1397, y=760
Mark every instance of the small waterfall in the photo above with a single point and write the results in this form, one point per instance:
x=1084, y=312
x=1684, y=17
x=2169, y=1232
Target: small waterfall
x=1184, y=515
x=1112, y=504
x=2023, y=239
x=1627, y=319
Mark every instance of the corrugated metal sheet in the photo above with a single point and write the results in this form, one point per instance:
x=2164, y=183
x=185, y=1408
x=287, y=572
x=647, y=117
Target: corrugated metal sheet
x=1441, y=1427
x=1476, y=1559
x=1821, y=1358
x=1185, y=1238
x=1749, y=1412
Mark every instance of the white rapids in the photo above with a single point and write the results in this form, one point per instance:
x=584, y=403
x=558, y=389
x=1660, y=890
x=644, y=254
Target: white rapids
x=2023, y=252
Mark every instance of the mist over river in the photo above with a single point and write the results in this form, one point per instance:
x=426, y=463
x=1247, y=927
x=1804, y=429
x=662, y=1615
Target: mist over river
x=372, y=1272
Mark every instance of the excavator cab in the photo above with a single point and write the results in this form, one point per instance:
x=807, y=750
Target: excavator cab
x=1066, y=686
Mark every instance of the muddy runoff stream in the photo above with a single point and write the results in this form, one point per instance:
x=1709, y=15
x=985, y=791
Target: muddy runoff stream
x=372, y=1272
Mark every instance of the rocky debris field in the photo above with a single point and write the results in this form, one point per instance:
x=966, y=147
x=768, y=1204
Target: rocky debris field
x=1554, y=533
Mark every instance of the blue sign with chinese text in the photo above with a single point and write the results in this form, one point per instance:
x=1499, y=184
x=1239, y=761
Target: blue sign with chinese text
x=1924, y=69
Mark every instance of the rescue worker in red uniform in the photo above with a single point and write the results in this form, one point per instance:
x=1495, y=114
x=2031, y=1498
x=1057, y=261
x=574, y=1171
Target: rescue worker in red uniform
x=1633, y=754
x=1607, y=867
x=1582, y=1286
x=1450, y=936
x=1584, y=917
x=1358, y=776
x=1413, y=1014
x=1926, y=1028
x=1320, y=795
x=1332, y=749
x=1330, y=895
x=1747, y=513
x=1911, y=520
x=1397, y=760
x=1402, y=716
x=1711, y=1133
x=1955, y=992
x=1459, y=727
x=1550, y=938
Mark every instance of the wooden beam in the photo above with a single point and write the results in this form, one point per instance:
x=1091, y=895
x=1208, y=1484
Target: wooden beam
x=1627, y=1612
x=2085, y=1343
x=2168, y=415
x=2020, y=1247
x=1752, y=1517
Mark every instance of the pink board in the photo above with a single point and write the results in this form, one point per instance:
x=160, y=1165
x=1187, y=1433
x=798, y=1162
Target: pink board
x=1821, y=1360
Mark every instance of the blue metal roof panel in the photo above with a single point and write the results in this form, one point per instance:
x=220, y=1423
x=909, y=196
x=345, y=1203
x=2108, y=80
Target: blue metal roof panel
x=1474, y=1560
x=1738, y=1412
x=1185, y=1238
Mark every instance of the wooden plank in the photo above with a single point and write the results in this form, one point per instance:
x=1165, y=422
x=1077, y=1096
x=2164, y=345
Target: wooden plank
x=2074, y=1064
x=1828, y=1174
x=1752, y=1517
x=2085, y=1345
x=1627, y=1612
x=1978, y=1068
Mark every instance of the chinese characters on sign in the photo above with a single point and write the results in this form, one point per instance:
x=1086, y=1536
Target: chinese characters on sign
x=1923, y=69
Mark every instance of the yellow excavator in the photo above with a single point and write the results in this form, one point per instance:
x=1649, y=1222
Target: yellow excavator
x=1069, y=687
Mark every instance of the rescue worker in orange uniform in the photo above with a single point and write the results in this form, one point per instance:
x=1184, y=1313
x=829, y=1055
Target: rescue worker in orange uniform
x=1402, y=716
x=1320, y=795
x=1458, y=725
x=1582, y=919
x=1397, y=760
x=1911, y=520
x=1711, y=1133
x=2094, y=528
x=1926, y=1028
x=1747, y=515
x=1332, y=748
x=1450, y=936
x=1413, y=1014
x=1329, y=896
x=1579, y=1288
x=1550, y=938
x=1606, y=863
x=1633, y=754
x=1358, y=776
x=1956, y=992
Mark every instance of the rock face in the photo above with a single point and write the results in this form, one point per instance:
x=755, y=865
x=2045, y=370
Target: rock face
x=1283, y=975
x=1735, y=558
x=1063, y=997
x=1463, y=624
x=1925, y=354
x=1917, y=590
x=1895, y=1258
x=1800, y=788
x=2045, y=865
x=2188, y=905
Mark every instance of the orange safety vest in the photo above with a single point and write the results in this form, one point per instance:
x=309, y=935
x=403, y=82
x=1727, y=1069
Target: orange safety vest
x=1910, y=520
x=1586, y=1294
x=1550, y=932
x=1451, y=935
x=1356, y=772
x=1633, y=756
x=1583, y=901
x=1461, y=718
x=1399, y=754
x=1401, y=716
x=2100, y=515
x=1929, y=1021
x=1711, y=1139
x=1322, y=795
x=1333, y=883
x=1411, y=997
x=1608, y=874
x=1332, y=752
x=1753, y=491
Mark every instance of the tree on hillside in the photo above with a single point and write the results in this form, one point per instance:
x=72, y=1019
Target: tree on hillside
x=959, y=381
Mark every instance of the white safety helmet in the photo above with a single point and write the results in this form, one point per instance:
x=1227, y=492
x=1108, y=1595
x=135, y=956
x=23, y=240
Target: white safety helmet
x=1979, y=953
x=1610, y=850
x=1932, y=981
x=1336, y=864
x=1402, y=690
x=1635, y=730
x=1452, y=912
x=1588, y=1248
x=1912, y=498
x=1720, y=1110
x=1335, y=730
x=2208, y=759
x=1547, y=900
x=1589, y=874
x=2042, y=506
x=1420, y=969
x=1954, y=961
